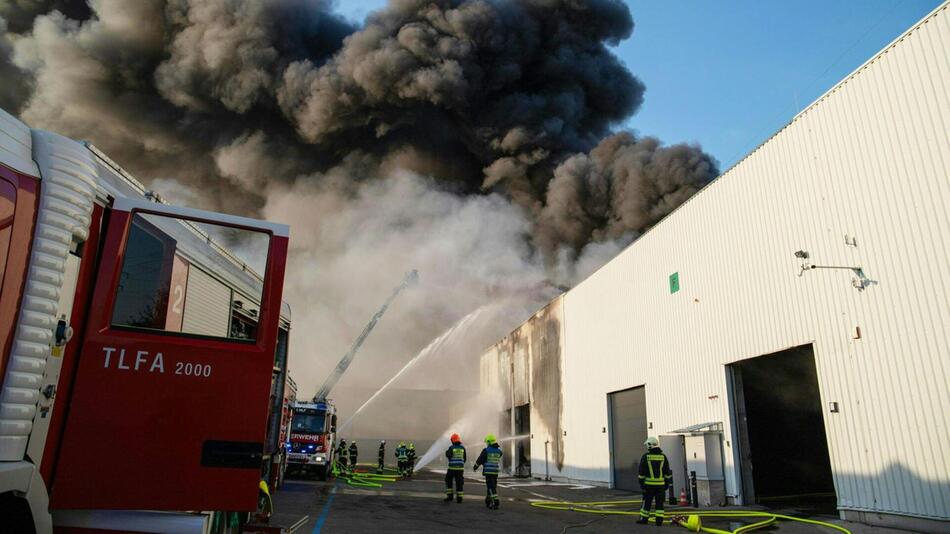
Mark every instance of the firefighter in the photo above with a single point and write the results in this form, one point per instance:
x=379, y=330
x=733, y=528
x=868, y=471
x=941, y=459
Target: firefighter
x=655, y=477
x=410, y=458
x=341, y=455
x=491, y=459
x=456, y=456
x=354, y=452
x=401, y=454
x=382, y=456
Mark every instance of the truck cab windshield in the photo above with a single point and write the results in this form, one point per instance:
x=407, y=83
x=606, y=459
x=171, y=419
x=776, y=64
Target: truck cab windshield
x=309, y=422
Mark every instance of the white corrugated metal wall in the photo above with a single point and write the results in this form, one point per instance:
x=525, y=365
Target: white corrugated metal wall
x=869, y=160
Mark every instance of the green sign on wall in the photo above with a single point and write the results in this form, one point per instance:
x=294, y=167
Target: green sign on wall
x=674, y=282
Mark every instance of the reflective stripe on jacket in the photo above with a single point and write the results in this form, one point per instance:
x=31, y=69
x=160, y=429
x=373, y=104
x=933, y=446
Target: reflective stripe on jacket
x=655, y=469
x=456, y=456
x=491, y=459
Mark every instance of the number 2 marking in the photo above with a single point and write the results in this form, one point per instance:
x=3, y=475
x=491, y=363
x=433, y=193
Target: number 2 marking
x=179, y=296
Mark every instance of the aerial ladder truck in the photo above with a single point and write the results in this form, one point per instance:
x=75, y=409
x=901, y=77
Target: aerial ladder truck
x=313, y=428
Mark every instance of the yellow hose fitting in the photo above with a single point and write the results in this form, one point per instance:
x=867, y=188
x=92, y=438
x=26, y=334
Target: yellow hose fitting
x=693, y=523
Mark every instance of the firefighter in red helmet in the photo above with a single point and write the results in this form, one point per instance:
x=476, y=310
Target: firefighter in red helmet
x=456, y=456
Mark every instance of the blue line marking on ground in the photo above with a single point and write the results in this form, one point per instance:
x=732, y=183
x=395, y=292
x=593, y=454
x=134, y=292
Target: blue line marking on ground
x=325, y=512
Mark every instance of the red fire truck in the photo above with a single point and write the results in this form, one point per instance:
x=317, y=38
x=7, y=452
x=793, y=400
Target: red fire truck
x=143, y=362
x=281, y=417
x=312, y=438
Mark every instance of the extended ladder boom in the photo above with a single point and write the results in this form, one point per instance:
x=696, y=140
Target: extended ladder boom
x=411, y=278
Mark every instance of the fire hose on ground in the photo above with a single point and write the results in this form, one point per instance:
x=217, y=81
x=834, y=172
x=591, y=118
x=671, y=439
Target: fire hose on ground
x=365, y=479
x=686, y=517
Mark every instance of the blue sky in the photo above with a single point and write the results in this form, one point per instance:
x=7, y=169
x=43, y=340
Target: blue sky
x=728, y=74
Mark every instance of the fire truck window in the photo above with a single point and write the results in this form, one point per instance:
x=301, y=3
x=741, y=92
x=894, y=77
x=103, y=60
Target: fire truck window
x=7, y=209
x=309, y=422
x=191, y=278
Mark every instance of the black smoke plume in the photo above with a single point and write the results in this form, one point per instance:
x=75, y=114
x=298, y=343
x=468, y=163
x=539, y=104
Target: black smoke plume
x=480, y=95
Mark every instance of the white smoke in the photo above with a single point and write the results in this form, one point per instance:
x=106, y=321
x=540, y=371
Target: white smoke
x=479, y=421
x=350, y=247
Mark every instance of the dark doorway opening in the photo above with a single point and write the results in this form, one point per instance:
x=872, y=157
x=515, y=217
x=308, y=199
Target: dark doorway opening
x=628, y=431
x=781, y=428
x=522, y=443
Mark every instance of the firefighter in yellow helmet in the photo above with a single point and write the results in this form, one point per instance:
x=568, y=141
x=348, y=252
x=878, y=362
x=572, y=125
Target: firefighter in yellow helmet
x=402, y=455
x=491, y=459
x=410, y=458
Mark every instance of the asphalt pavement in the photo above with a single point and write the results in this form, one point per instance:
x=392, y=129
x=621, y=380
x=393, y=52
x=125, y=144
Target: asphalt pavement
x=416, y=505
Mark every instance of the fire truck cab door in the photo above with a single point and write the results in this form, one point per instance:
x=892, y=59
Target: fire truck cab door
x=171, y=395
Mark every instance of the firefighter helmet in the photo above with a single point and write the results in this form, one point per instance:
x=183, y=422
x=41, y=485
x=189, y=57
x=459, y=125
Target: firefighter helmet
x=455, y=438
x=489, y=439
x=651, y=442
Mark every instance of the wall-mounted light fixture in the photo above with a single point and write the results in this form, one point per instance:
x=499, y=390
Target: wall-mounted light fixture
x=860, y=280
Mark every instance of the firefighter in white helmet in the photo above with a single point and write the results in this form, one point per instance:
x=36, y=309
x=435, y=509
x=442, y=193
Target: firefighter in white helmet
x=655, y=477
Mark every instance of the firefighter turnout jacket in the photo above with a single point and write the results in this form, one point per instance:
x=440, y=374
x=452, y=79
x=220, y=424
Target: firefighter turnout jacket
x=456, y=456
x=655, y=469
x=490, y=458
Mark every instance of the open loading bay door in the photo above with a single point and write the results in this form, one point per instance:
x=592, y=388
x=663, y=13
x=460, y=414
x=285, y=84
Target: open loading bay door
x=628, y=431
x=780, y=427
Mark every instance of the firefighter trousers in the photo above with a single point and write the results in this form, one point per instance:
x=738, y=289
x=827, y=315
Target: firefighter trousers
x=491, y=485
x=454, y=475
x=650, y=494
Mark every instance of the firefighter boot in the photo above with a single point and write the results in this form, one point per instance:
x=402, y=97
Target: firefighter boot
x=496, y=503
x=448, y=497
x=458, y=498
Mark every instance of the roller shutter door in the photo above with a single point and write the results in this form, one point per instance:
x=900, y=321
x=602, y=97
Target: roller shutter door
x=628, y=431
x=207, y=305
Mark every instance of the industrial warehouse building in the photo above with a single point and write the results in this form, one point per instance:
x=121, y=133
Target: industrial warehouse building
x=785, y=331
